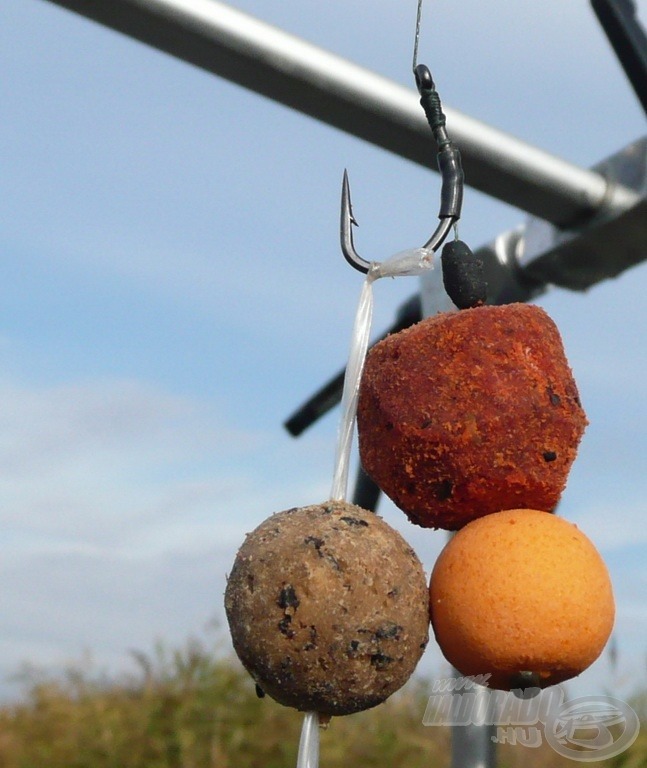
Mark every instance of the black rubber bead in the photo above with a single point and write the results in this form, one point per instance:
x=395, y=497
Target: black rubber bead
x=463, y=275
x=525, y=685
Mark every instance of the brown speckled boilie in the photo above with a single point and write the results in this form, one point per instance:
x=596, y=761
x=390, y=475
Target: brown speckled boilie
x=468, y=413
x=328, y=608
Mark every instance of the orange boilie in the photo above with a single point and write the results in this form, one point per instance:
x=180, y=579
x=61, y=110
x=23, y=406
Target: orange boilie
x=521, y=591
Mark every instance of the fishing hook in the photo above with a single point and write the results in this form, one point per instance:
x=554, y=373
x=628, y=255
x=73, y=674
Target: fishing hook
x=449, y=165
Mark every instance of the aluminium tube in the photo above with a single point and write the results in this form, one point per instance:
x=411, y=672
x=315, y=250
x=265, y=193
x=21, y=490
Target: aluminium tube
x=258, y=56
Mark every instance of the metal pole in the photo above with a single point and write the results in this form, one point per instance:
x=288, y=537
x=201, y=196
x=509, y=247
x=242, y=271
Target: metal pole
x=251, y=53
x=620, y=23
x=473, y=745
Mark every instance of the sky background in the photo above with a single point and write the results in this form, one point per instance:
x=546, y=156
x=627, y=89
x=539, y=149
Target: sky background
x=172, y=289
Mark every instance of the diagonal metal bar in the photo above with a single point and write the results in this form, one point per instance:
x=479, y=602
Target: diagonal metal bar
x=253, y=54
x=620, y=23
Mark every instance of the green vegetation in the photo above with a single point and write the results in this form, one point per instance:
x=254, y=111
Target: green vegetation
x=194, y=708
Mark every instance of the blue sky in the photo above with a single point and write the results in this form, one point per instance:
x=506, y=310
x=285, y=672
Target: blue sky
x=172, y=289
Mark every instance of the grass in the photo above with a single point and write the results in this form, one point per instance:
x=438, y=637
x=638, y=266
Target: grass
x=194, y=708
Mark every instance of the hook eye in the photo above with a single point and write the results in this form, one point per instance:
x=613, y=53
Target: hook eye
x=424, y=80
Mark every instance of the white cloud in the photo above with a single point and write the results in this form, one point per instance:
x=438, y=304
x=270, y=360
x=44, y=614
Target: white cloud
x=59, y=606
x=122, y=507
x=123, y=463
x=101, y=459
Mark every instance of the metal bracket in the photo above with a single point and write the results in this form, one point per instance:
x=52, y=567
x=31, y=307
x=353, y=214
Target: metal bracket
x=523, y=263
x=578, y=258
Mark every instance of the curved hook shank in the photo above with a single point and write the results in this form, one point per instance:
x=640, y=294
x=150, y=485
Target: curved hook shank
x=439, y=236
x=348, y=221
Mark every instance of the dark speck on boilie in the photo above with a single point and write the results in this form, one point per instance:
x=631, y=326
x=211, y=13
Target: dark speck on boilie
x=288, y=598
x=355, y=521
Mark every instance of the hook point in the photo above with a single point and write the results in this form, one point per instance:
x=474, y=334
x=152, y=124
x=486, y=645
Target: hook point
x=347, y=205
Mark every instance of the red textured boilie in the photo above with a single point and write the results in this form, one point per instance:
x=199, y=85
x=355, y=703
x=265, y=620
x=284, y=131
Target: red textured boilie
x=468, y=413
